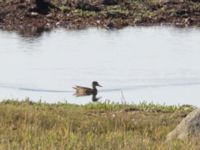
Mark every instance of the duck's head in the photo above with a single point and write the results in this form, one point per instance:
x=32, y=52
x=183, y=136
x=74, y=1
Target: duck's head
x=95, y=83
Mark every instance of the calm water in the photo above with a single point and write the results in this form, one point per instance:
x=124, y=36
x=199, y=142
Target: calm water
x=152, y=64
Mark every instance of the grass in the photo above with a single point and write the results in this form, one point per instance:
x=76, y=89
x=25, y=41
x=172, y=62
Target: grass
x=29, y=125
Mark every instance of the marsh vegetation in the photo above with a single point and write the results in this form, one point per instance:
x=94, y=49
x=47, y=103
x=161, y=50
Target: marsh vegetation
x=30, y=125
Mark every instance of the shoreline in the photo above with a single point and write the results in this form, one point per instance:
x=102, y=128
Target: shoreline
x=20, y=16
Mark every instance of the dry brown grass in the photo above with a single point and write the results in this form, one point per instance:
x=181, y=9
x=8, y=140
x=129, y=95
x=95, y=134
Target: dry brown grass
x=27, y=125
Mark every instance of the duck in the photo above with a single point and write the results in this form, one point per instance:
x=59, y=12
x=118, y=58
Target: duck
x=83, y=91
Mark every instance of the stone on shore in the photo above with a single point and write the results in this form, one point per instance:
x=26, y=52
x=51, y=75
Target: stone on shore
x=188, y=128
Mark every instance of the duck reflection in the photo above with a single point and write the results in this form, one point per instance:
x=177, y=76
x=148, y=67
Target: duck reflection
x=95, y=98
x=86, y=91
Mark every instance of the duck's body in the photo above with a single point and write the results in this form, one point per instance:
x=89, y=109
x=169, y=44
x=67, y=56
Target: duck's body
x=82, y=91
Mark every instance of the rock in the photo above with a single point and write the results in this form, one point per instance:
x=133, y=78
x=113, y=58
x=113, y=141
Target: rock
x=50, y=15
x=1, y=19
x=57, y=23
x=197, y=1
x=188, y=128
x=98, y=21
x=34, y=13
x=110, y=2
x=88, y=6
x=44, y=6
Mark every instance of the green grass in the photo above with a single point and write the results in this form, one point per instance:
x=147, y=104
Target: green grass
x=29, y=125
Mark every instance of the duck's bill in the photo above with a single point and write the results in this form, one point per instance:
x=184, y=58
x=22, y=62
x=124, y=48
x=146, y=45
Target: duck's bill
x=99, y=85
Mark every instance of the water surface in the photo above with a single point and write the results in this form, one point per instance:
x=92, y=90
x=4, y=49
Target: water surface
x=152, y=64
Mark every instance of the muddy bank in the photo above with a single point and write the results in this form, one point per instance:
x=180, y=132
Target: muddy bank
x=24, y=16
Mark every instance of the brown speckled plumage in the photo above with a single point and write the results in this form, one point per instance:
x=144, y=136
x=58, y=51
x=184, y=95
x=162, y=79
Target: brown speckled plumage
x=82, y=91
